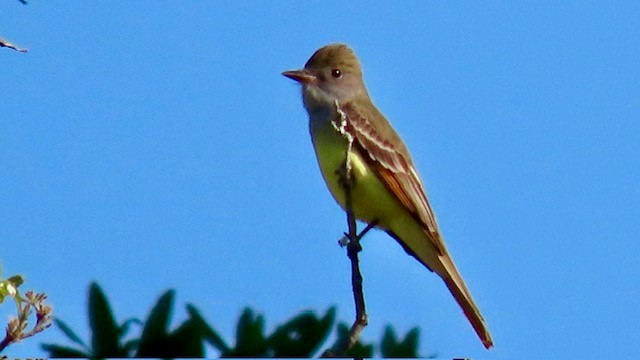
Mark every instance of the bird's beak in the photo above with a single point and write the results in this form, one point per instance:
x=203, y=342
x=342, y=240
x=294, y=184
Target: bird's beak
x=303, y=76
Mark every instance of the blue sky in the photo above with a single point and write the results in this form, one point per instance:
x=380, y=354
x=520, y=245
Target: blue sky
x=154, y=145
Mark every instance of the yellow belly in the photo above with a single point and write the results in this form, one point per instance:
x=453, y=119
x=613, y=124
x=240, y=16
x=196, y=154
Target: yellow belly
x=370, y=198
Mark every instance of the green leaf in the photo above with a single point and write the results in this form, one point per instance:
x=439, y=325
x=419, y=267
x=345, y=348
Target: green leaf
x=6, y=289
x=186, y=341
x=391, y=347
x=250, y=339
x=104, y=338
x=70, y=333
x=130, y=346
x=208, y=333
x=9, y=287
x=388, y=342
x=302, y=335
x=124, y=327
x=16, y=280
x=412, y=340
x=57, y=351
x=154, y=335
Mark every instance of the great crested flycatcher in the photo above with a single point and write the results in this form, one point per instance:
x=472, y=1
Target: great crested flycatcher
x=348, y=132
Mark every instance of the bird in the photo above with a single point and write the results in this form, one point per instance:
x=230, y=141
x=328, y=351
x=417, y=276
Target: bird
x=349, y=133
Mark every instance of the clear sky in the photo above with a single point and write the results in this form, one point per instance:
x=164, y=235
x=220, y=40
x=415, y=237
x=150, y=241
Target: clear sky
x=154, y=145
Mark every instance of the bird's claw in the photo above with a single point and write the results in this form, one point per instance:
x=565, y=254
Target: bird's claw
x=344, y=241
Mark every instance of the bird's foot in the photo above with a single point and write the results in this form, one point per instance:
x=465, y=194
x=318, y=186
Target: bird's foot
x=345, y=239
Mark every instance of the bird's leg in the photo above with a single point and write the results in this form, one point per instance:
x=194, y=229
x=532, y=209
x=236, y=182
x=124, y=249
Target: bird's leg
x=344, y=241
x=369, y=226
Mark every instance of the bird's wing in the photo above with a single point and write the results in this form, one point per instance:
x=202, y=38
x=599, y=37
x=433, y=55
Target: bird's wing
x=390, y=159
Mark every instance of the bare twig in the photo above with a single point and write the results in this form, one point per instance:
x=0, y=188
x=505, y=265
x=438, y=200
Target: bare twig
x=353, y=248
x=5, y=43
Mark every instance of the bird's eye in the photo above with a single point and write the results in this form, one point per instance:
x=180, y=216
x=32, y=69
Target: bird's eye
x=336, y=73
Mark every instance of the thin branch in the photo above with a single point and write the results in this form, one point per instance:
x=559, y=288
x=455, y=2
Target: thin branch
x=356, y=277
x=5, y=43
x=353, y=248
x=5, y=342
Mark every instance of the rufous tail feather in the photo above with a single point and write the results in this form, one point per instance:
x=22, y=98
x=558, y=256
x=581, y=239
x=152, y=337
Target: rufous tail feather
x=459, y=290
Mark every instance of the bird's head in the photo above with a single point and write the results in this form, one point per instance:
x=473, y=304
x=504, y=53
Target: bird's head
x=332, y=73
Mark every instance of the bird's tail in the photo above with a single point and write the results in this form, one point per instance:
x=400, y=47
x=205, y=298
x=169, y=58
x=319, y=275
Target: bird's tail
x=439, y=261
x=459, y=290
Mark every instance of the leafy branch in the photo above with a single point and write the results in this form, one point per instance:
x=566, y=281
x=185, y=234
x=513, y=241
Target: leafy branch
x=18, y=327
x=301, y=336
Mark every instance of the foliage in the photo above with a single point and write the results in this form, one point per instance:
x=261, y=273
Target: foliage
x=301, y=336
x=18, y=327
